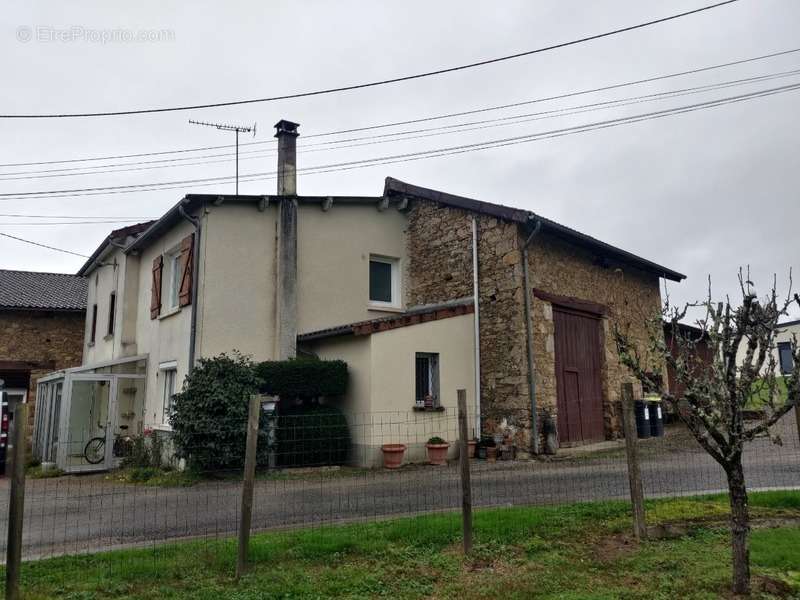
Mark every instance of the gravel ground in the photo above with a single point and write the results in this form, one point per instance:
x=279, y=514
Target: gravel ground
x=79, y=514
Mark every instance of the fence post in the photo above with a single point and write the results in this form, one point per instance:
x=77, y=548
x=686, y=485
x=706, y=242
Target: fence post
x=247, y=483
x=634, y=472
x=16, y=501
x=463, y=460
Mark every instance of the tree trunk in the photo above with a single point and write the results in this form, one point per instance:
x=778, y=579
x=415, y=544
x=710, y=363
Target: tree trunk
x=740, y=528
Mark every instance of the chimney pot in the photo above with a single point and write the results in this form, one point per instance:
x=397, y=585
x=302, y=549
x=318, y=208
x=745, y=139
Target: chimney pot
x=286, y=132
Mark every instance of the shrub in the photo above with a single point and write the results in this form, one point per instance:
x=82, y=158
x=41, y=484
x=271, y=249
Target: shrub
x=437, y=440
x=145, y=451
x=303, y=378
x=312, y=435
x=209, y=415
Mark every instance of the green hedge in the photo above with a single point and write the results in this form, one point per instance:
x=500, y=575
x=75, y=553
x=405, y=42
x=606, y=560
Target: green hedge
x=209, y=415
x=312, y=435
x=303, y=378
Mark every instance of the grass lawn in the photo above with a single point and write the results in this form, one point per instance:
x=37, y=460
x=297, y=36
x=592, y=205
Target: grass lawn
x=760, y=393
x=566, y=553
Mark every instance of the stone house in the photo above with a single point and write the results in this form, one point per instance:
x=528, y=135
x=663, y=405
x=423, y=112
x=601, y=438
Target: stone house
x=421, y=292
x=41, y=328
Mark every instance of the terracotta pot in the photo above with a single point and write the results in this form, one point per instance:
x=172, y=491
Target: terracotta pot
x=471, y=445
x=491, y=453
x=437, y=453
x=393, y=455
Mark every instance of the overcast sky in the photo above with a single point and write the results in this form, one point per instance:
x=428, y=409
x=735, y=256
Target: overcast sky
x=702, y=193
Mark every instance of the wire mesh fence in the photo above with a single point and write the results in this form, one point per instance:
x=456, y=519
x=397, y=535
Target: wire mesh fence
x=321, y=470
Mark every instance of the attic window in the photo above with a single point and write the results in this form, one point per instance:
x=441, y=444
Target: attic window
x=112, y=309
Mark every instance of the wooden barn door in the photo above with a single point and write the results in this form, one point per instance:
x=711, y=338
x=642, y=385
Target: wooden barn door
x=578, y=386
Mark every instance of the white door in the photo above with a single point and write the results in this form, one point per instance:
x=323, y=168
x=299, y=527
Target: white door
x=87, y=430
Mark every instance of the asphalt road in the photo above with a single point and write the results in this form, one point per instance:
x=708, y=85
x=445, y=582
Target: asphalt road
x=76, y=514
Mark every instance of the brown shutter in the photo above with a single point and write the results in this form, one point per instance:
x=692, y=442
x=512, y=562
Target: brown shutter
x=155, y=291
x=187, y=259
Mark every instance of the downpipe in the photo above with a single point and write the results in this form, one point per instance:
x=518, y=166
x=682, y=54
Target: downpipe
x=477, y=330
x=197, y=223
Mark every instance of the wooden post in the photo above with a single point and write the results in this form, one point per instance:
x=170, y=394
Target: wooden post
x=797, y=420
x=463, y=460
x=247, y=484
x=634, y=472
x=16, y=501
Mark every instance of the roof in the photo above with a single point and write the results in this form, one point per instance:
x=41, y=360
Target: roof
x=400, y=188
x=789, y=323
x=394, y=191
x=29, y=290
x=121, y=236
x=413, y=316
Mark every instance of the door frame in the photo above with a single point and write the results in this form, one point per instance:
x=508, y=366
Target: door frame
x=586, y=310
x=66, y=411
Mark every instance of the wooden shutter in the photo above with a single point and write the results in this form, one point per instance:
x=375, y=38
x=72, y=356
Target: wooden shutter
x=155, y=290
x=187, y=260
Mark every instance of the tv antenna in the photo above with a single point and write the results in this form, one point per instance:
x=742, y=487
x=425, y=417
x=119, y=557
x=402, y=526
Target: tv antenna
x=226, y=127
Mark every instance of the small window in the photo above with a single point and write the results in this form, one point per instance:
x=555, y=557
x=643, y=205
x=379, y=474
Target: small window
x=384, y=281
x=169, y=375
x=785, y=357
x=112, y=308
x=427, y=380
x=173, y=260
x=94, y=324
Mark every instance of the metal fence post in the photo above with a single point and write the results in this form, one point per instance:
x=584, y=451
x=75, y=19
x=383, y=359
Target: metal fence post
x=463, y=460
x=634, y=472
x=247, y=484
x=16, y=501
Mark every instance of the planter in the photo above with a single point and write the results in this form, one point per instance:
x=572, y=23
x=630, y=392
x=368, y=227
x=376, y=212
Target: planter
x=393, y=455
x=437, y=453
x=471, y=445
x=491, y=453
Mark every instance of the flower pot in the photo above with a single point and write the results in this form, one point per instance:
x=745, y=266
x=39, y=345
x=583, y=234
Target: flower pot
x=471, y=445
x=393, y=455
x=437, y=453
x=491, y=453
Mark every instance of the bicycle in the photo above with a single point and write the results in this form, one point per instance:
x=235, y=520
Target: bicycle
x=95, y=450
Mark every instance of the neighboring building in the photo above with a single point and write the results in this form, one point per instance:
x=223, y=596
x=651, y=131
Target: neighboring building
x=42, y=316
x=788, y=332
x=702, y=355
x=385, y=283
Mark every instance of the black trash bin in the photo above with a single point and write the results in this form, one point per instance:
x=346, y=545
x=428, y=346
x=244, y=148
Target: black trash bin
x=656, y=419
x=642, y=419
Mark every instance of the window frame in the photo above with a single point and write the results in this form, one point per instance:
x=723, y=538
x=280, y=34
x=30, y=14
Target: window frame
x=782, y=347
x=169, y=372
x=112, y=313
x=395, y=284
x=93, y=325
x=433, y=379
x=172, y=258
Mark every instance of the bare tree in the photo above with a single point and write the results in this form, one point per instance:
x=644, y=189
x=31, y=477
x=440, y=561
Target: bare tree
x=740, y=364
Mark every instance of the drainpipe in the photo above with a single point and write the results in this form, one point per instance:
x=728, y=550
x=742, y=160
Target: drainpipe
x=477, y=323
x=195, y=271
x=529, y=336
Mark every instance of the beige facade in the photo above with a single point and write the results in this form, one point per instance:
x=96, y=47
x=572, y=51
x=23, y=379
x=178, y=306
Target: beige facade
x=380, y=400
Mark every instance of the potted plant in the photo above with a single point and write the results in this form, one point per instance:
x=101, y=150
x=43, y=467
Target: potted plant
x=471, y=447
x=484, y=444
x=393, y=455
x=437, y=450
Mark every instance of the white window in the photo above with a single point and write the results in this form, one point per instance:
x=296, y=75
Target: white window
x=173, y=261
x=169, y=372
x=426, y=380
x=384, y=281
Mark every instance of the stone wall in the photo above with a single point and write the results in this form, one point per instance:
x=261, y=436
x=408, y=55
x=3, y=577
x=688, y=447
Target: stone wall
x=440, y=268
x=630, y=295
x=48, y=341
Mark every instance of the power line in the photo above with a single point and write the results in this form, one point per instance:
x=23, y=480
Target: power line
x=395, y=136
x=45, y=223
x=399, y=123
x=19, y=239
x=28, y=216
x=406, y=157
x=379, y=82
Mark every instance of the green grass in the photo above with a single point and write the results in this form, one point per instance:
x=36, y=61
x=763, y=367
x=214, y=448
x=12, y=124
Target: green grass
x=760, y=393
x=150, y=476
x=579, y=551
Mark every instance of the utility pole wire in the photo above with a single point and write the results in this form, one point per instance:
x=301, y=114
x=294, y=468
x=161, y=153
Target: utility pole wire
x=411, y=121
x=384, y=138
x=19, y=239
x=409, y=156
x=374, y=83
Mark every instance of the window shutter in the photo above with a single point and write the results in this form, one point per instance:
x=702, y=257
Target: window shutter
x=155, y=291
x=187, y=260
